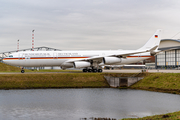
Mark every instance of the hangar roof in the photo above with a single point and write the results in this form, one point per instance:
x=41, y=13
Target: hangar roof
x=166, y=44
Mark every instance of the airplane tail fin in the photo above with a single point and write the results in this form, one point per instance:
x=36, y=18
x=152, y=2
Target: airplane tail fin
x=153, y=42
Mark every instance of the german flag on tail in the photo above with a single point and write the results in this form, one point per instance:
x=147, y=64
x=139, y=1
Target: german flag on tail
x=156, y=36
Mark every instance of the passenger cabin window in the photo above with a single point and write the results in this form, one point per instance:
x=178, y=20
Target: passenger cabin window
x=10, y=55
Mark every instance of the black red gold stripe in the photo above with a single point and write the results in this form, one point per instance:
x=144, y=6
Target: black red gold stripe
x=45, y=58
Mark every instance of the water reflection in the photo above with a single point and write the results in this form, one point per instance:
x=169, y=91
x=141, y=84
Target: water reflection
x=66, y=104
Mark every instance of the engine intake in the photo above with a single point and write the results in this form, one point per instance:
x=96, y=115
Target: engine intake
x=67, y=65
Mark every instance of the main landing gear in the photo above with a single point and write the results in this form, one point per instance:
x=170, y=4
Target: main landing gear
x=94, y=67
x=92, y=70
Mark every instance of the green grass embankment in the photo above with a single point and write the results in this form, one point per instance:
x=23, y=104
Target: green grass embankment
x=63, y=80
x=169, y=116
x=161, y=82
x=8, y=68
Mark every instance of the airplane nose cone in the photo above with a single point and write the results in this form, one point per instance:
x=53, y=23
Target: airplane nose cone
x=4, y=60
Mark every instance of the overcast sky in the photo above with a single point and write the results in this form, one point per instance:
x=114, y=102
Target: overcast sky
x=86, y=24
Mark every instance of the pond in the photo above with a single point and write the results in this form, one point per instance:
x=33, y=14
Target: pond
x=74, y=104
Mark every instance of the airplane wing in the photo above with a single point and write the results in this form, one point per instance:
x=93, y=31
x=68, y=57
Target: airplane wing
x=121, y=55
x=124, y=55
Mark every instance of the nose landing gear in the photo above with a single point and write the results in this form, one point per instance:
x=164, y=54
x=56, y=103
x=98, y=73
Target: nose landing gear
x=22, y=70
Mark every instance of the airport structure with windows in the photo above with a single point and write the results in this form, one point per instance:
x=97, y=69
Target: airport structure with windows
x=170, y=57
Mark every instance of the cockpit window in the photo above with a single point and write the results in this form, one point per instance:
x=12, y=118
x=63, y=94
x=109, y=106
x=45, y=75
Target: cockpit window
x=10, y=55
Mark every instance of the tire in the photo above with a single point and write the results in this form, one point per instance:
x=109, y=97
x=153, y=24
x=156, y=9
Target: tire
x=100, y=70
x=94, y=70
x=22, y=71
x=85, y=70
x=89, y=70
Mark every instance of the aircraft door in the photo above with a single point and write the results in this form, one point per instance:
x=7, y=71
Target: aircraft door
x=21, y=56
x=55, y=56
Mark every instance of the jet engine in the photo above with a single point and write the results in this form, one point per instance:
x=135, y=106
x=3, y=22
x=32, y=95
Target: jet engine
x=111, y=60
x=81, y=64
x=67, y=65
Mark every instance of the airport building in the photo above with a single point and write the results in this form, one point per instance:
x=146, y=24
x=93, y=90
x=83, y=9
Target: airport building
x=170, y=58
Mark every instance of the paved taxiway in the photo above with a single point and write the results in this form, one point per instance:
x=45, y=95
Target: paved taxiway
x=138, y=70
x=104, y=71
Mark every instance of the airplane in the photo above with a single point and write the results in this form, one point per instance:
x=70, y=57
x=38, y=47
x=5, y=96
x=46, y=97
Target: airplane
x=90, y=61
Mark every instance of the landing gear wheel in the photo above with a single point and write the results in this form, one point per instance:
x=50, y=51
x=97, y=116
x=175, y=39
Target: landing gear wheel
x=85, y=70
x=100, y=70
x=22, y=71
x=94, y=70
x=89, y=70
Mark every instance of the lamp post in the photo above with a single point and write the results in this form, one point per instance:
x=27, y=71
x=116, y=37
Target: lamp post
x=33, y=40
x=17, y=45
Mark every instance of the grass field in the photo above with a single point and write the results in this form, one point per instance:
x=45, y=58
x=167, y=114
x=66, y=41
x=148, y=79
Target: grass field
x=169, y=116
x=161, y=82
x=8, y=68
x=63, y=80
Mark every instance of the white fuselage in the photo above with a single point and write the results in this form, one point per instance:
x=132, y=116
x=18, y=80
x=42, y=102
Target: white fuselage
x=57, y=58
